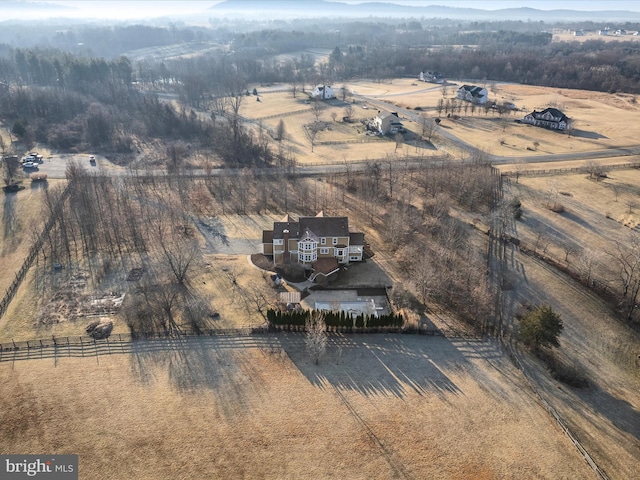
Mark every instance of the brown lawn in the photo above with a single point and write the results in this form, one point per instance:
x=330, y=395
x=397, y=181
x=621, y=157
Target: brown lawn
x=255, y=407
x=595, y=341
x=296, y=114
x=601, y=120
x=22, y=214
x=224, y=277
x=597, y=214
x=568, y=36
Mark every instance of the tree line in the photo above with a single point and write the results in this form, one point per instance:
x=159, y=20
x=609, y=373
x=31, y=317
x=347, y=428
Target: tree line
x=86, y=104
x=339, y=319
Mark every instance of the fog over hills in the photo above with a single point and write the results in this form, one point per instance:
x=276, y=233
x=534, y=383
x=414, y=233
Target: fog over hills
x=322, y=8
x=287, y=9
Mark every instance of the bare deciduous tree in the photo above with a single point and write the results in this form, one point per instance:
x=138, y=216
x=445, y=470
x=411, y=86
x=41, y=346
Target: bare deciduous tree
x=348, y=112
x=399, y=138
x=627, y=258
x=11, y=168
x=3, y=148
x=570, y=128
x=316, y=335
x=179, y=249
x=316, y=109
x=281, y=131
x=294, y=87
x=595, y=169
x=312, y=131
x=519, y=167
x=428, y=127
x=585, y=264
x=344, y=92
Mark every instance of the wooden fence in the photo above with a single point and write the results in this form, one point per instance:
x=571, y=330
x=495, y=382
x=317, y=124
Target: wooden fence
x=552, y=411
x=558, y=171
x=33, y=252
x=85, y=346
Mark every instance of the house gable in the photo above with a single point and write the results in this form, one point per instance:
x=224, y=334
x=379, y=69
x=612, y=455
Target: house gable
x=473, y=93
x=551, y=118
x=388, y=122
x=310, y=238
x=323, y=92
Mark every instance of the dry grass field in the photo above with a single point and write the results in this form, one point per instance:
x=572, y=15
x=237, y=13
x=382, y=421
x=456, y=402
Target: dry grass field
x=256, y=407
x=295, y=114
x=598, y=118
x=224, y=277
x=597, y=214
x=605, y=416
x=377, y=406
x=22, y=213
x=568, y=36
x=595, y=341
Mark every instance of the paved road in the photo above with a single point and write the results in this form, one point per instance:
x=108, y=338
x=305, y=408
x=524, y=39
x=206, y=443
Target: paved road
x=55, y=167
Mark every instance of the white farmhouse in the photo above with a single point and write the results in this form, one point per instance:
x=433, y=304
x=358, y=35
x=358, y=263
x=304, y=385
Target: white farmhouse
x=473, y=94
x=387, y=123
x=322, y=92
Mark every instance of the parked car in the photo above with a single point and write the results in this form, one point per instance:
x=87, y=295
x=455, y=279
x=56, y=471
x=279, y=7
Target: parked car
x=30, y=165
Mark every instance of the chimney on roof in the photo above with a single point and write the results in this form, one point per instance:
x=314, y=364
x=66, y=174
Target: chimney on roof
x=285, y=255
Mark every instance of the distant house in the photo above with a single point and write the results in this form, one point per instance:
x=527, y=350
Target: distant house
x=473, y=94
x=322, y=92
x=387, y=123
x=318, y=243
x=548, y=118
x=431, y=77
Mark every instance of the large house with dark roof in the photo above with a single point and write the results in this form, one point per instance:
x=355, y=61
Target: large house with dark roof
x=473, y=94
x=320, y=243
x=548, y=118
x=432, y=77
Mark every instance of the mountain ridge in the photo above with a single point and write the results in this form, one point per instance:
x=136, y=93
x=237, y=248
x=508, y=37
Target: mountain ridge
x=291, y=8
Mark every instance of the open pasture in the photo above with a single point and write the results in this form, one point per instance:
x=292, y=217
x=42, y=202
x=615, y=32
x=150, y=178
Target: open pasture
x=256, y=407
x=601, y=120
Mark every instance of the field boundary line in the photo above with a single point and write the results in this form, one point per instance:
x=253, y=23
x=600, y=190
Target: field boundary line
x=554, y=413
x=33, y=252
x=567, y=170
x=86, y=346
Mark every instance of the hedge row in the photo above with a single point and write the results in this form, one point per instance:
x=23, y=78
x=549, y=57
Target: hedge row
x=335, y=319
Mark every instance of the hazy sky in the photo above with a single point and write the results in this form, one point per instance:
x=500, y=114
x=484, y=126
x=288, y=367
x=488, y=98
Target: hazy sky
x=632, y=5
x=149, y=8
